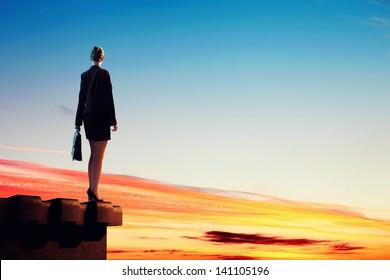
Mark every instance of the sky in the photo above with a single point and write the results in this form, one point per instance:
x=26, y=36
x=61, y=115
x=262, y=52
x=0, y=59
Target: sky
x=162, y=221
x=282, y=98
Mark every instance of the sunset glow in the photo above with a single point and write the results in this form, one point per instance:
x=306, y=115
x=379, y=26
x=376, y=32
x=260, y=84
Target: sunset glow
x=162, y=221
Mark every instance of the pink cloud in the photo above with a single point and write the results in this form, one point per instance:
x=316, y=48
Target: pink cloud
x=163, y=221
x=34, y=150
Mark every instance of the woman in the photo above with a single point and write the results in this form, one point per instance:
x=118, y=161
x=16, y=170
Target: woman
x=96, y=110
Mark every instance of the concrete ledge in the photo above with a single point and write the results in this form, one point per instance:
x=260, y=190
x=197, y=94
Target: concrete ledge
x=60, y=228
x=62, y=210
x=22, y=208
x=116, y=219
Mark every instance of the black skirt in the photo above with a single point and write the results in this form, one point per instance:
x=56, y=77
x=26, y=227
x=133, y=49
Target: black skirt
x=97, y=128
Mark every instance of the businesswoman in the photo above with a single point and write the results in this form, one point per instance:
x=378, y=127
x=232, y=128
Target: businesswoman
x=97, y=112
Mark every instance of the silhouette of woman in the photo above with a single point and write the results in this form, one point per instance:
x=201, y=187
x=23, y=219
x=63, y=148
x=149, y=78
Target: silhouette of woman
x=97, y=111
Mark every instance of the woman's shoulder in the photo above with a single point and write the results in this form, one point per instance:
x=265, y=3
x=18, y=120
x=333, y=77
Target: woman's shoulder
x=90, y=72
x=87, y=72
x=105, y=71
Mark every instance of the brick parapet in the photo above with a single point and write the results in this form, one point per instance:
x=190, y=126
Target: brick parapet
x=60, y=228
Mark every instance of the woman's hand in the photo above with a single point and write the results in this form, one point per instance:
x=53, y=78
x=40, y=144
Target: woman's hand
x=114, y=128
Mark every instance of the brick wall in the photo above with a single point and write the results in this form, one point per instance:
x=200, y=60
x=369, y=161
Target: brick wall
x=55, y=229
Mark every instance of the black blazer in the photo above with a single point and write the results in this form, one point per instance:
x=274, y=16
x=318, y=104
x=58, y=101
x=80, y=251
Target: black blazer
x=95, y=97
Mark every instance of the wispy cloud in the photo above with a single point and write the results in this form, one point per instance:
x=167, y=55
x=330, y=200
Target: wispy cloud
x=244, y=238
x=379, y=2
x=345, y=247
x=65, y=110
x=174, y=254
x=379, y=21
x=33, y=150
x=231, y=238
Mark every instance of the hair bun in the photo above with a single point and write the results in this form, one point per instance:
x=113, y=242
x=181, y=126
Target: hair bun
x=97, y=54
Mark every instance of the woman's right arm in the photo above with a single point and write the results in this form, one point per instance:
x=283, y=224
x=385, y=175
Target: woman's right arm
x=81, y=104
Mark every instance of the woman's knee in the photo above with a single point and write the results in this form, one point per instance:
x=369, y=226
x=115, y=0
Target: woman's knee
x=99, y=150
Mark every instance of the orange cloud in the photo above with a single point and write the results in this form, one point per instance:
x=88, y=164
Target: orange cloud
x=163, y=221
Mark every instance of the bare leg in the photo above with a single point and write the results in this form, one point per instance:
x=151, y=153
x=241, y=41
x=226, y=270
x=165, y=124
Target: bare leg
x=95, y=164
x=90, y=163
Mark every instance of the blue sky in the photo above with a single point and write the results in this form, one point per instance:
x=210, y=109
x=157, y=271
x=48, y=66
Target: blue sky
x=286, y=98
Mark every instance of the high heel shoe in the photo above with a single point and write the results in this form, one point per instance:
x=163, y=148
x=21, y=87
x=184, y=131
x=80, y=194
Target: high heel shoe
x=92, y=196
